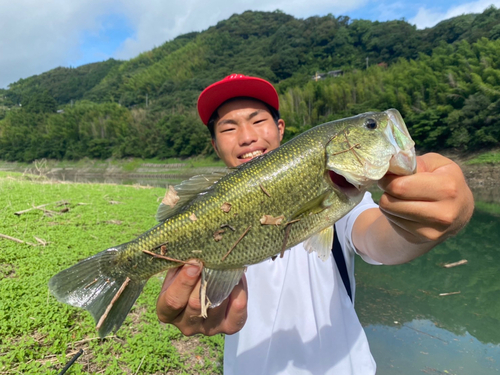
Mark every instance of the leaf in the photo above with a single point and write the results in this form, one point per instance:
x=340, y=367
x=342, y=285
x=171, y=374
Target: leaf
x=271, y=220
x=171, y=198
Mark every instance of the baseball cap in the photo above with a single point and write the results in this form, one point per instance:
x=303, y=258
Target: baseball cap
x=233, y=86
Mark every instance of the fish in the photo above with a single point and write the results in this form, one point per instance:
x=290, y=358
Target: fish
x=230, y=220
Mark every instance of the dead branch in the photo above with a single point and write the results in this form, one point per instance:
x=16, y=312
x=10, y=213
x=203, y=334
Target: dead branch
x=19, y=213
x=15, y=239
x=108, y=309
x=154, y=255
x=459, y=263
x=236, y=243
x=41, y=241
x=264, y=190
x=448, y=294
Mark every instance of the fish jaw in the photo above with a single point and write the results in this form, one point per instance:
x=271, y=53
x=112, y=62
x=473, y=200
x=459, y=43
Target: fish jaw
x=404, y=161
x=357, y=157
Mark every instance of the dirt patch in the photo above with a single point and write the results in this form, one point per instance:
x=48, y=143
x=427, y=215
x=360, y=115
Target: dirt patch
x=193, y=352
x=7, y=270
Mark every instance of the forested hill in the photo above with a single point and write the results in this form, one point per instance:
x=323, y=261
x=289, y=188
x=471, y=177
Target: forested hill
x=445, y=80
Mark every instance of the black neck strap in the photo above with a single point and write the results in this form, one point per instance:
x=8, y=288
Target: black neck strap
x=338, y=255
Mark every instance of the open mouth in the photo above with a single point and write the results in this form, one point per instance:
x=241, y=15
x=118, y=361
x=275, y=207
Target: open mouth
x=342, y=184
x=252, y=154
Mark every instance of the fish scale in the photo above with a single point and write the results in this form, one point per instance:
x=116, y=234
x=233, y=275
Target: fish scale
x=293, y=181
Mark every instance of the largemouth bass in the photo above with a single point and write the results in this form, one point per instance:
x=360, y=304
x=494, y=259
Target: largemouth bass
x=249, y=214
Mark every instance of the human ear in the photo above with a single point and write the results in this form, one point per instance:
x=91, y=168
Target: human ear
x=214, y=145
x=281, y=128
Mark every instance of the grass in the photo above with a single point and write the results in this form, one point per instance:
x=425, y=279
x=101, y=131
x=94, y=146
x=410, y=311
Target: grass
x=491, y=208
x=37, y=333
x=492, y=157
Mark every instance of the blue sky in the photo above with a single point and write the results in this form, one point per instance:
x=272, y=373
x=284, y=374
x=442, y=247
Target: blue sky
x=39, y=35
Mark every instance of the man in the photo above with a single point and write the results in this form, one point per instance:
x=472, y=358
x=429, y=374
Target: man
x=300, y=318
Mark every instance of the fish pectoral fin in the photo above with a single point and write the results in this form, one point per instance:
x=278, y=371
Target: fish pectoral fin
x=314, y=206
x=321, y=243
x=217, y=285
x=185, y=192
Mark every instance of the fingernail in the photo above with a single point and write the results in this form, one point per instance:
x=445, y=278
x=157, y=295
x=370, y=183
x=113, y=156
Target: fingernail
x=193, y=271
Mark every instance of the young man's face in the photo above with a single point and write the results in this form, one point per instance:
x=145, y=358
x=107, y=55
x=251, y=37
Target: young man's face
x=245, y=129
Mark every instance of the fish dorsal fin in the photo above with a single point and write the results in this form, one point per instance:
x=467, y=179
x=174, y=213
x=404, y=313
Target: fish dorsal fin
x=217, y=285
x=321, y=243
x=178, y=196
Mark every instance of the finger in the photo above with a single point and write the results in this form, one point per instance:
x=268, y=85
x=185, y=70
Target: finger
x=236, y=312
x=229, y=317
x=421, y=187
x=174, y=299
x=429, y=213
x=415, y=232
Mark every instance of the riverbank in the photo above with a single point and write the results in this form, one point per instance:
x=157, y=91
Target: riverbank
x=480, y=169
x=88, y=170
x=51, y=226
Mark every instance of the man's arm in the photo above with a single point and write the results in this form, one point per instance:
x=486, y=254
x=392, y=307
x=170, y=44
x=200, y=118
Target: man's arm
x=416, y=212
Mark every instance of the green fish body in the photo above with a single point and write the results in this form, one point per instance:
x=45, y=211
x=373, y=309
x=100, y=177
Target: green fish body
x=232, y=220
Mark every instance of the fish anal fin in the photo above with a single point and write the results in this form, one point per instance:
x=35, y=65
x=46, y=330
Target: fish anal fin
x=217, y=285
x=321, y=243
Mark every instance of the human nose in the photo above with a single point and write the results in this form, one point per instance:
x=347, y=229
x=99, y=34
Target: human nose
x=247, y=135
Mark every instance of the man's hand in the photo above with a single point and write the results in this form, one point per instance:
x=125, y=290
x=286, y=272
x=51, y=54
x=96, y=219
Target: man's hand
x=416, y=213
x=179, y=304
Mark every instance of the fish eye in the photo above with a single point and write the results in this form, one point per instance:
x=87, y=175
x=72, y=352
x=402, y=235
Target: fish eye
x=371, y=124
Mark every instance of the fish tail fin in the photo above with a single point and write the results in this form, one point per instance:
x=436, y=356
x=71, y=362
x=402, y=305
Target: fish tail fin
x=95, y=285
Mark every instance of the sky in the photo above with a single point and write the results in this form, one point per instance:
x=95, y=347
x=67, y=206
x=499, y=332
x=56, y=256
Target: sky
x=39, y=35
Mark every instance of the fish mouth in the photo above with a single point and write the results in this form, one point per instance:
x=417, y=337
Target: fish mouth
x=341, y=183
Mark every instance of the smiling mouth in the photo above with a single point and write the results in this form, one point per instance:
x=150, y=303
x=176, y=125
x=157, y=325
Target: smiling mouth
x=250, y=155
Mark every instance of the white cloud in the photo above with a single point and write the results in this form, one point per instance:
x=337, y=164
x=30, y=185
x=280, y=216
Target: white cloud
x=36, y=36
x=430, y=17
x=157, y=21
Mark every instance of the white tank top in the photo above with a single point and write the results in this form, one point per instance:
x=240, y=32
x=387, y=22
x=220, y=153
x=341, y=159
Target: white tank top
x=300, y=318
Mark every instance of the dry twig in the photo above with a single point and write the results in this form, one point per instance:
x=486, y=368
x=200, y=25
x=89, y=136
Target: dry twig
x=154, y=255
x=59, y=203
x=108, y=309
x=236, y=243
x=15, y=239
x=264, y=190
x=448, y=294
x=459, y=263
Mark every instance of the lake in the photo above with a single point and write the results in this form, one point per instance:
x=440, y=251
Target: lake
x=414, y=330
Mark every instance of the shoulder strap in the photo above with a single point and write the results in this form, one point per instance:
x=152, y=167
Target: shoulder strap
x=338, y=255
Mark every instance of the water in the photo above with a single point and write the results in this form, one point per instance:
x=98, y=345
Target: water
x=414, y=330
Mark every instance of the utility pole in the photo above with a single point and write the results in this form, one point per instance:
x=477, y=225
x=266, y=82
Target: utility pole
x=367, y=58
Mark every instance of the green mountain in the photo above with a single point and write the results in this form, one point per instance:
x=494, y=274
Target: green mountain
x=445, y=81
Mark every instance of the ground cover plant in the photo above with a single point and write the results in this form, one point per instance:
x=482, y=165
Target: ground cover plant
x=39, y=335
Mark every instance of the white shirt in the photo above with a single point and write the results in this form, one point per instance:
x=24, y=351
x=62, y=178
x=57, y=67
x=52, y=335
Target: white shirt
x=300, y=318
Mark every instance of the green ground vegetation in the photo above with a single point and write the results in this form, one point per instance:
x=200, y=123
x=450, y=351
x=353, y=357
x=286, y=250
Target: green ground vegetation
x=40, y=335
x=445, y=81
x=492, y=157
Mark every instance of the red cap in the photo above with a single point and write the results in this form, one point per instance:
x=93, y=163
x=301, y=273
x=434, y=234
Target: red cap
x=231, y=87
